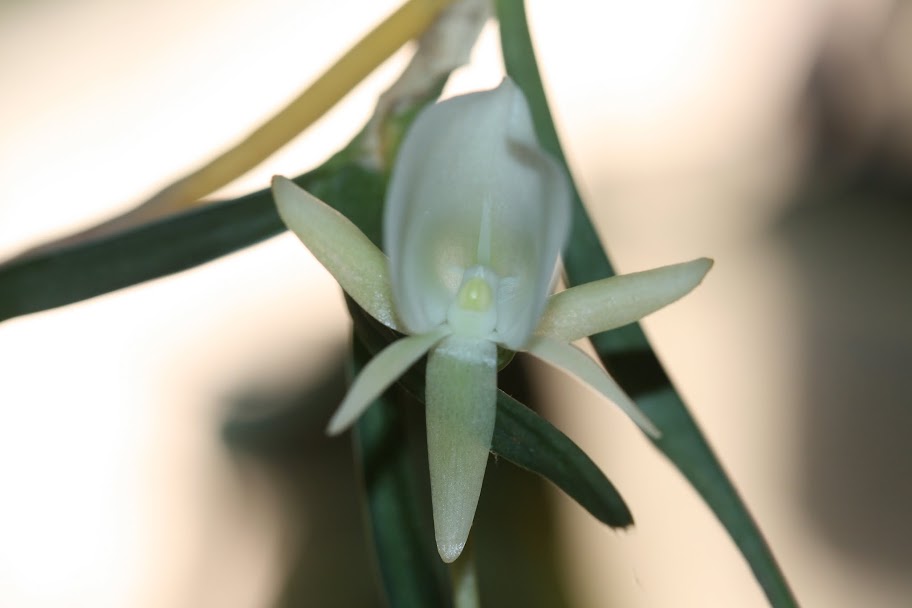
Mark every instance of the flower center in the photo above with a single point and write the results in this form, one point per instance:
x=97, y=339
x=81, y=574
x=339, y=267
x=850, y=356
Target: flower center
x=473, y=312
x=475, y=295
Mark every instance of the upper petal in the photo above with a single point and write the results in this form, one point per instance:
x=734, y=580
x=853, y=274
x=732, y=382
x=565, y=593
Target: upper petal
x=471, y=187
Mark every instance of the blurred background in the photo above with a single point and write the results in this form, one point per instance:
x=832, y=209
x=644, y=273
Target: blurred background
x=775, y=137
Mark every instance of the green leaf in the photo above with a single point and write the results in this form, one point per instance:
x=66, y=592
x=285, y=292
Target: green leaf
x=75, y=272
x=88, y=269
x=524, y=438
x=625, y=351
x=531, y=442
x=411, y=572
x=85, y=270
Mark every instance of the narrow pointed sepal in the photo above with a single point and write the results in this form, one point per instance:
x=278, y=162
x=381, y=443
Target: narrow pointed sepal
x=361, y=269
x=598, y=306
x=461, y=408
x=573, y=360
x=379, y=374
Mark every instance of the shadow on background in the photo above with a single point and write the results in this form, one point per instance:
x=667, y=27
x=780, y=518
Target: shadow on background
x=849, y=237
x=330, y=560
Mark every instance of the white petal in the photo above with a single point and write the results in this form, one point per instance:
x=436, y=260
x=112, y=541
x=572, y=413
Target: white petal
x=598, y=306
x=379, y=374
x=357, y=264
x=461, y=397
x=471, y=187
x=573, y=360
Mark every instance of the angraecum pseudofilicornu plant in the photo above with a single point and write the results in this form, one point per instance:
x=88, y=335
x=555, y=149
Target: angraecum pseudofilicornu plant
x=447, y=223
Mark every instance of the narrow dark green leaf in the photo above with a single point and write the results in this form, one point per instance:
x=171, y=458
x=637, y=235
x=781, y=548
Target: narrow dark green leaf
x=88, y=269
x=531, y=442
x=85, y=270
x=75, y=272
x=524, y=438
x=625, y=351
x=410, y=569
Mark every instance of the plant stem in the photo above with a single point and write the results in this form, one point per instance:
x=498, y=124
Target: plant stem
x=464, y=579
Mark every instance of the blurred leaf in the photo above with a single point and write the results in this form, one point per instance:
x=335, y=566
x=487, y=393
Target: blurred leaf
x=275, y=434
x=87, y=269
x=584, y=261
x=271, y=421
x=411, y=572
x=525, y=439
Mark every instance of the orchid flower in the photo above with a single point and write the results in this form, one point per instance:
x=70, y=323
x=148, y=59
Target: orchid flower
x=476, y=215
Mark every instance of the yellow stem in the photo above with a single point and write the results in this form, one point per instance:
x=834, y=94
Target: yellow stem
x=410, y=21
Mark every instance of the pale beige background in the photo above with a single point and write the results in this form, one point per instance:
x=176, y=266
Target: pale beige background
x=680, y=120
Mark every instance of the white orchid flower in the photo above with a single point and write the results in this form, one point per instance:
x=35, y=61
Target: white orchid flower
x=476, y=215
